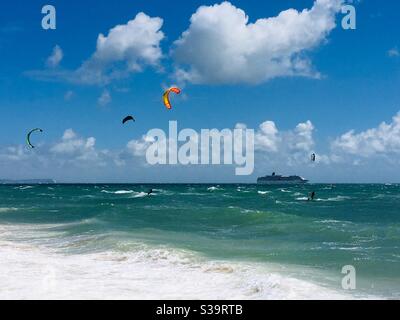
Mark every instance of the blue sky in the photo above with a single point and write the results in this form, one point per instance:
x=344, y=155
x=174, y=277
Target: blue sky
x=349, y=82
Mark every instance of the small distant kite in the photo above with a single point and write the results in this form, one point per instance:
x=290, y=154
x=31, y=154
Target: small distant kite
x=28, y=137
x=313, y=157
x=166, y=101
x=128, y=118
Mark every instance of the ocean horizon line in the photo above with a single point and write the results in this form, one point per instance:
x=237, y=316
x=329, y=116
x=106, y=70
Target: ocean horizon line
x=26, y=182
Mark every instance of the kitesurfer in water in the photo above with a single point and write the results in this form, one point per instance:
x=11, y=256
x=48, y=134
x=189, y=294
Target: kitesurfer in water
x=312, y=196
x=150, y=192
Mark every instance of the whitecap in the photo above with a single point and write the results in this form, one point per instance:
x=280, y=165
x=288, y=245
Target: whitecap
x=4, y=210
x=118, y=192
x=330, y=221
x=162, y=273
x=123, y=192
x=338, y=198
x=25, y=187
x=142, y=194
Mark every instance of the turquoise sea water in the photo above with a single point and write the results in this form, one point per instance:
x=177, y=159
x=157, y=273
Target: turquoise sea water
x=198, y=241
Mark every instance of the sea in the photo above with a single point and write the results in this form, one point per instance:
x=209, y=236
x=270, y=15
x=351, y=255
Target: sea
x=189, y=241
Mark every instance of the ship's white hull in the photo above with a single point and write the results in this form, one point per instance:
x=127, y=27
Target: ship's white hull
x=281, y=182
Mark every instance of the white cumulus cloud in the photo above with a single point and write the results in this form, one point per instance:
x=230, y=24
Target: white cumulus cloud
x=55, y=58
x=127, y=48
x=139, y=147
x=75, y=148
x=384, y=139
x=290, y=147
x=105, y=98
x=267, y=138
x=394, y=52
x=222, y=47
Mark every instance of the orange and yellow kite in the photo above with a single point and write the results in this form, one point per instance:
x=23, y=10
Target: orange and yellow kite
x=167, y=103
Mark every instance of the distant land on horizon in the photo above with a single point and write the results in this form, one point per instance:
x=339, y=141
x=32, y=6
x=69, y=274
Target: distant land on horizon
x=28, y=181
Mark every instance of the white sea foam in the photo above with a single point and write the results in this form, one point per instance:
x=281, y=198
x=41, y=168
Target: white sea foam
x=33, y=271
x=28, y=272
x=4, y=210
x=123, y=192
x=191, y=194
x=118, y=191
x=338, y=198
x=302, y=199
x=330, y=221
x=263, y=192
x=24, y=187
x=141, y=195
x=213, y=188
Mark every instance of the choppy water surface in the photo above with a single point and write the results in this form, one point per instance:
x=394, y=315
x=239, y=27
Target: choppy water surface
x=198, y=241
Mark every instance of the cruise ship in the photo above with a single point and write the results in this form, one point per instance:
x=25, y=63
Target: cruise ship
x=275, y=179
